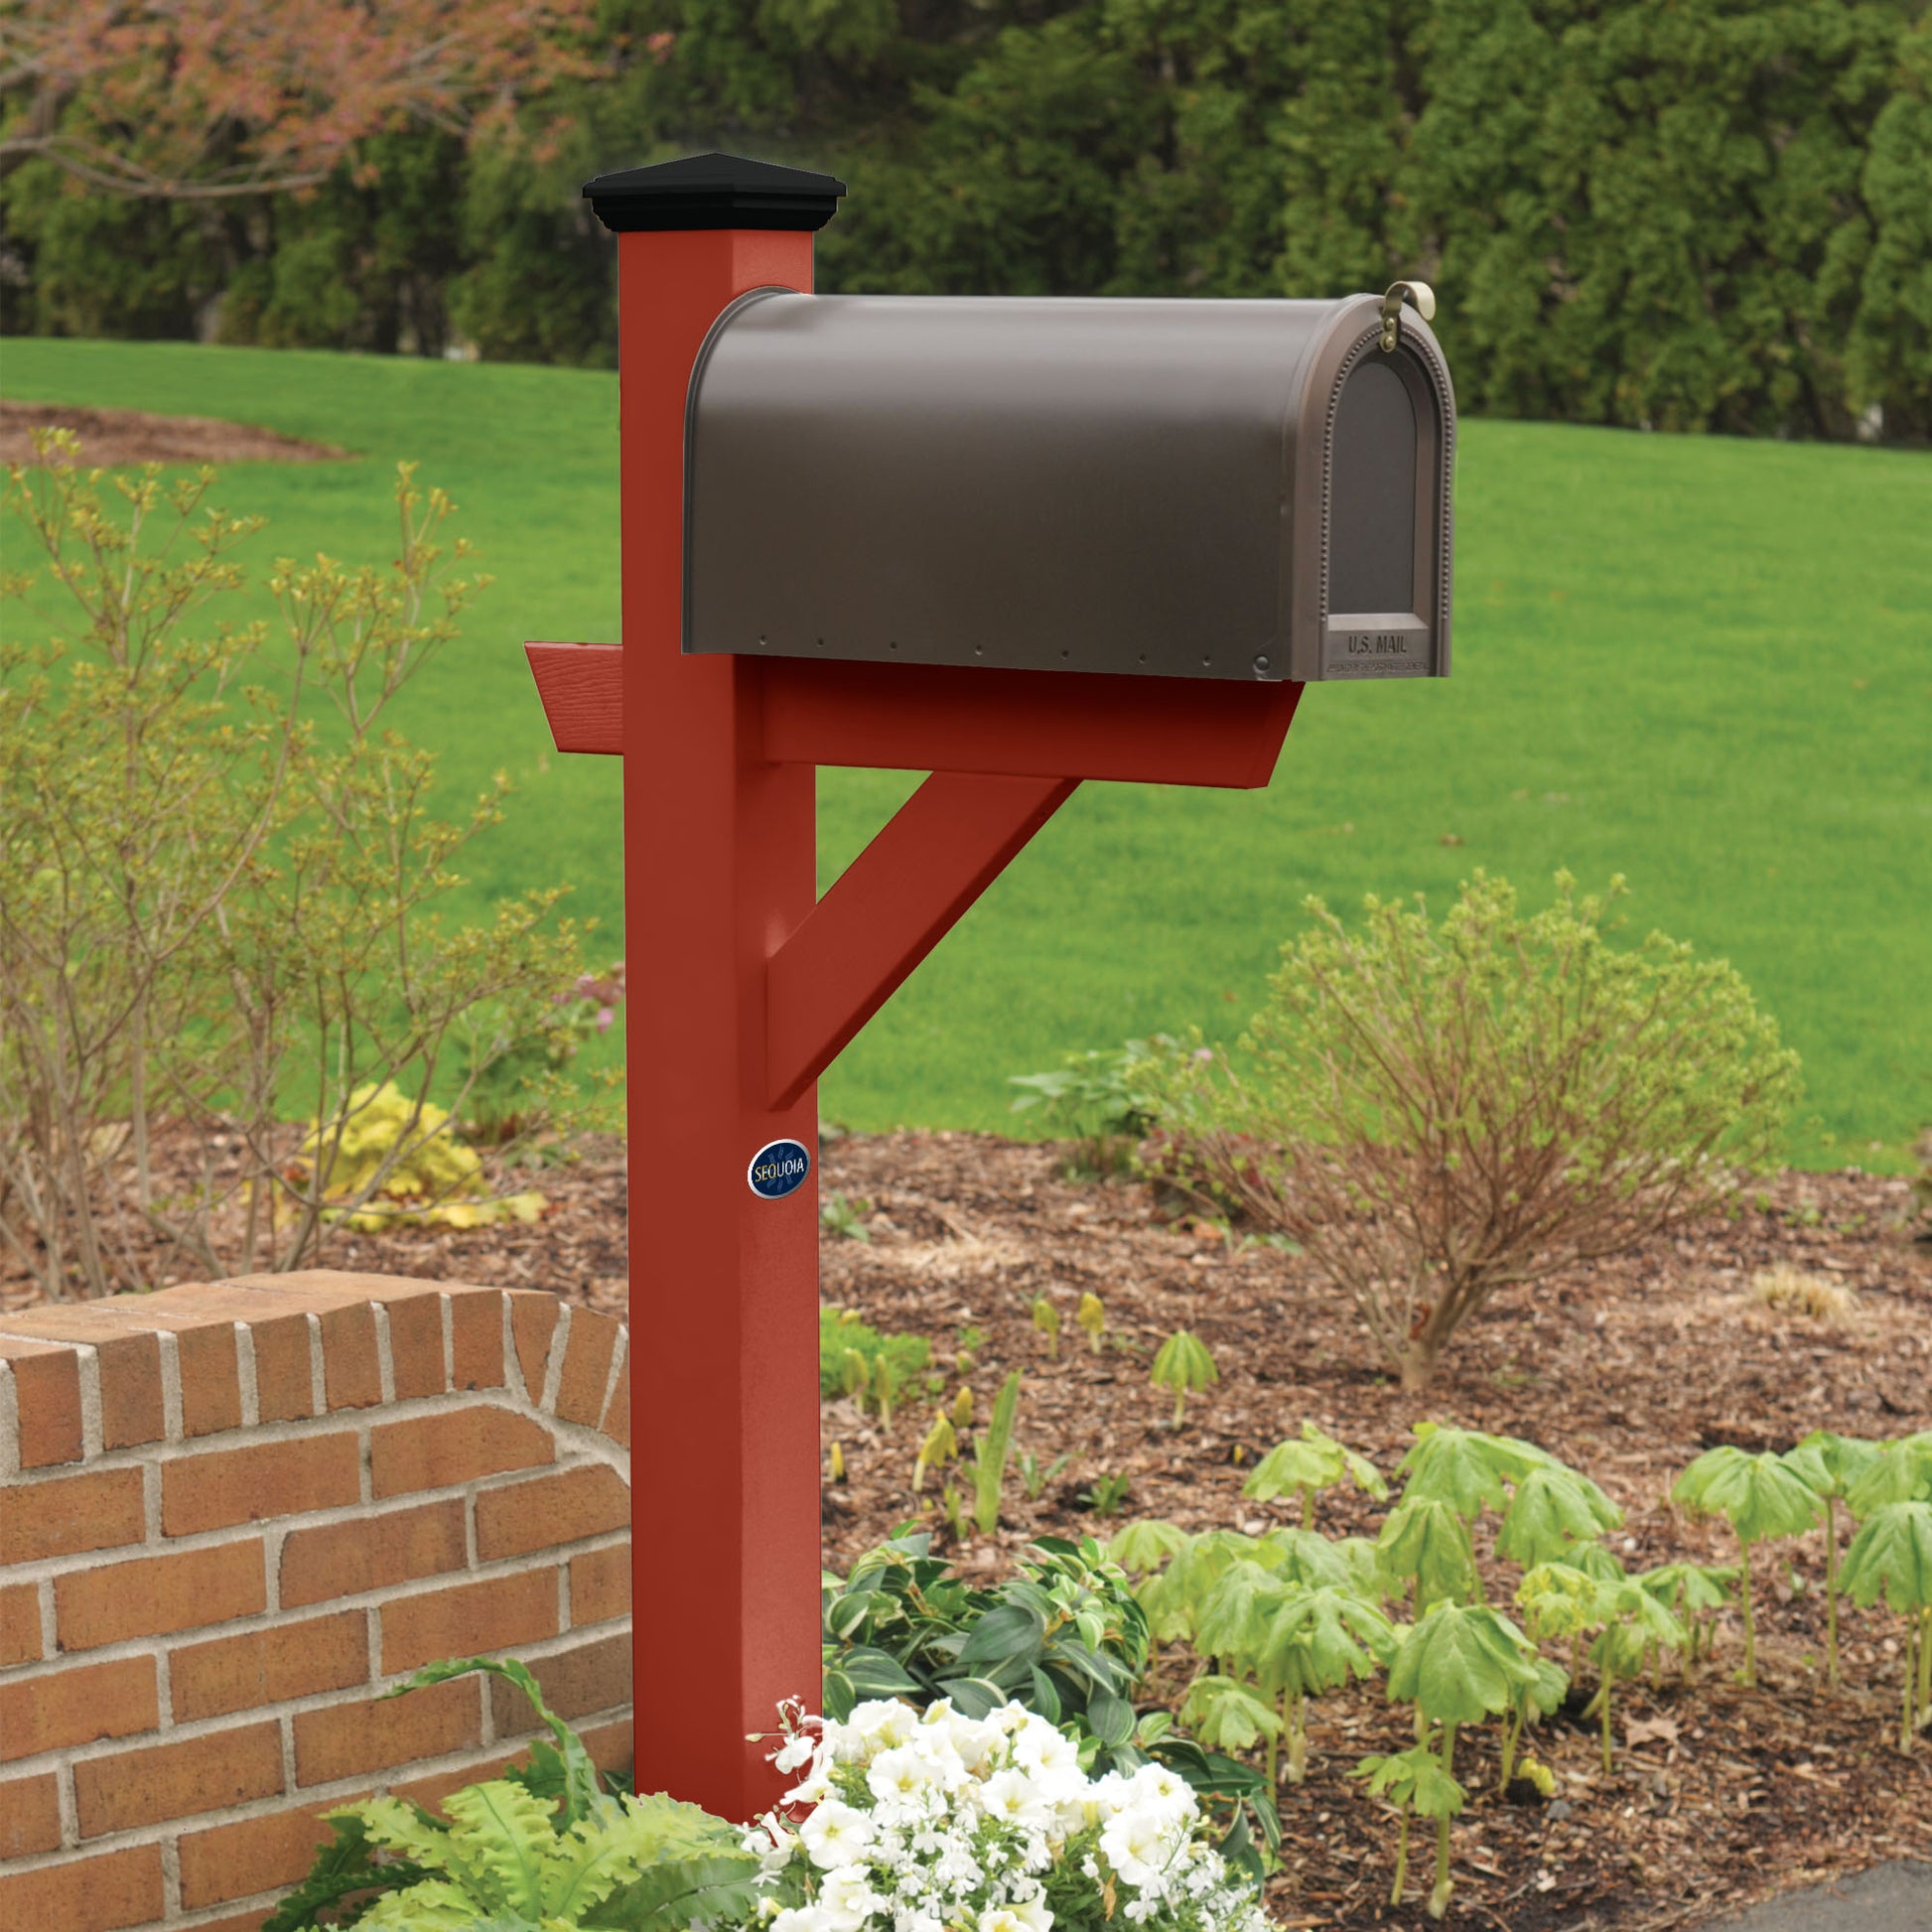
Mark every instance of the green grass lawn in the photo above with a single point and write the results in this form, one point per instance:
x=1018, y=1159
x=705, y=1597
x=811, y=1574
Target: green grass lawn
x=1704, y=663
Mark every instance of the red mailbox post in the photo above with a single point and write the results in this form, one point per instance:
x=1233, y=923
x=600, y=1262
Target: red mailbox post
x=745, y=985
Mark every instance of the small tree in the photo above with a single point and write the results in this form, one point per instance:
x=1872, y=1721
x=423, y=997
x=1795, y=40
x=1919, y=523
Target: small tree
x=1434, y=1112
x=220, y=893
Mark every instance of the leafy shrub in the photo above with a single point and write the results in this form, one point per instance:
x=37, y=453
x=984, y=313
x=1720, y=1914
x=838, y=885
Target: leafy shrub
x=1065, y=1638
x=401, y=1160
x=841, y=1332
x=545, y=1848
x=221, y=886
x=1106, y=1100
x=1434, y=1112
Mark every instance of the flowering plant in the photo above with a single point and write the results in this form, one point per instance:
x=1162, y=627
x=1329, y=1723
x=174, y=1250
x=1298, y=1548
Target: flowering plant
x=918, y=1821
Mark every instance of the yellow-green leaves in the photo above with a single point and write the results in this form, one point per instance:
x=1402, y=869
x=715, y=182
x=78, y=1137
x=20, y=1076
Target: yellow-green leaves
x=1226, y=1715
x=1184, y=1366
x=1462, y=1662
x=1309, y=1465
x=941, y=1446
x=1046, y=1319
x=1426, y=1541
x=1145, y=1546
x=1892, y=1556
x=1092, y=1317
x=1554, y=1509
x=1414, y=1780
x=1760, y=1498
x=1757, y=1495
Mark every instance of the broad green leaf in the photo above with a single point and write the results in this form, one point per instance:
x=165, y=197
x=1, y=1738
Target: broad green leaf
x=499, y=1840
x=1461, y=1662
x=1466, y=1468
x=1891, y=1555
x=1184, y=1364
x=1305, y=1557
x=1014, y=1631
x=1757, y=1495
x=1110, y=1717
x=1552, y=1510
x=1142, y=1548
x=1226, y=1715
x=1315, y=1461
x=1902, y=1473
x=1414, y=1780
x=434, y=1906
x=1828, y=1464
x=1424, y=1540
x=1690, y=1588
x=1316, y=1640
x=1228, y=1626
x=1558, y=1600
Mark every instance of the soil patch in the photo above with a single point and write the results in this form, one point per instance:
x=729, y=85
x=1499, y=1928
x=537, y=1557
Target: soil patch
x=116, y=437
x=1719, y=1795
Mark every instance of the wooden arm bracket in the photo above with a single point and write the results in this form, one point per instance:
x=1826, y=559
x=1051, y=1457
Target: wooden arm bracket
x=896, y=901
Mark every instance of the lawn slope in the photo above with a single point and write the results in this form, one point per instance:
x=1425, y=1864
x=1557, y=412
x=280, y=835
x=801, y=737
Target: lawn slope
x=1704, y=663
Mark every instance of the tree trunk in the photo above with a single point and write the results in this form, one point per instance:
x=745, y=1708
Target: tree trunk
x=1416, y=1362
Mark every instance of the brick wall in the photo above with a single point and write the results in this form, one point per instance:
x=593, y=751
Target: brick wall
x=230, y=1516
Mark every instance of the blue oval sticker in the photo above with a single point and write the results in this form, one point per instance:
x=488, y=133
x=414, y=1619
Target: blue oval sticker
x=778, y=1169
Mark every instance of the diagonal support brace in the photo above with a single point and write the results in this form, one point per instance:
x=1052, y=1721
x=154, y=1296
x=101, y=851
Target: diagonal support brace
x=896, y=900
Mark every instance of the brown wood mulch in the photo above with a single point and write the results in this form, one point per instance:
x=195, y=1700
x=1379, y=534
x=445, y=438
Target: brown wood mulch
x=1719, y=1795
x=117, y=438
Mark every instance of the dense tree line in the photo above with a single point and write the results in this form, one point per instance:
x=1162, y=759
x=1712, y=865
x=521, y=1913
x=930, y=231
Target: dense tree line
x=1687, y=214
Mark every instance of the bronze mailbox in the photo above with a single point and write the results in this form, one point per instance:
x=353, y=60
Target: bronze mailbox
x=1176, y=489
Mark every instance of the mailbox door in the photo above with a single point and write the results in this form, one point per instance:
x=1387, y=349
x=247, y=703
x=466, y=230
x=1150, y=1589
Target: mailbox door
x=1166, y=489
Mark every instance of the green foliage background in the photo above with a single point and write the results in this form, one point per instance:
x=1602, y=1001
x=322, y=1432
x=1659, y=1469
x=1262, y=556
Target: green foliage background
x=1680, y=214
x=1699, y=661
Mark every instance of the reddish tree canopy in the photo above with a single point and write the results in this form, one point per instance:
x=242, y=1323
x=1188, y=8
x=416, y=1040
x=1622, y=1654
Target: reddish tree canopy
x=193, y=98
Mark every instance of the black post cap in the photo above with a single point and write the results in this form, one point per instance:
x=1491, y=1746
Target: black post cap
x=713, y=191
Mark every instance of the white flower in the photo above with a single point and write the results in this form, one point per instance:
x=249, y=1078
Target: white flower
x=901, y=1776
x=1051, y=1757
x=1014, y=1799
x=813, y=1790
x=803, y=1918
x=1155, y=1786
x=1033, y=1913
x=884, y=1723
x=795, y=1752
x=848, y=1897
x=1137, y=1844
x=834, y=1835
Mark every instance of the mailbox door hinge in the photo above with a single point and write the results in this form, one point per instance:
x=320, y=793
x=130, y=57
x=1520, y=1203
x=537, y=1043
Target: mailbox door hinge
x=1421, y=294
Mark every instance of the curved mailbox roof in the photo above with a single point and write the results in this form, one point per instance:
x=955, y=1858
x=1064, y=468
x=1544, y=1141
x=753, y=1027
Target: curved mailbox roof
x=1162, y=487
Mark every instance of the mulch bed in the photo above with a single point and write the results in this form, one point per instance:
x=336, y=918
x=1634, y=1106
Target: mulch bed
x=119, y=438
x=1719, y=1794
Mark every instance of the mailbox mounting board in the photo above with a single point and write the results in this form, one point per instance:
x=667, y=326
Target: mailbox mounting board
x=1174, y=489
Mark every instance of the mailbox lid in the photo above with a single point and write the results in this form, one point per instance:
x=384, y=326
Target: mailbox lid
x=1128, y=486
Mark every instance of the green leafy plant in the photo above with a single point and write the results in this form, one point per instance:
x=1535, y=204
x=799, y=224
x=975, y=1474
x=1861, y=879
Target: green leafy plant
x=1108, y=1491
x=1458, y=1664
x=1183, y=1364
x=1695, y=1593
x=1101, y=1098
x=1092, y=1317
x=1046, y=1319
x=1829, y=1465
x=841, y=1330
x=1305, y=1468
x=1437, y=1111
x=990, y=1454
x=546, y=1847
x=938, y=1446
x=1415, y=1784
x=1892, y=1556
x=1035, y=1475
x=1762, y=1499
